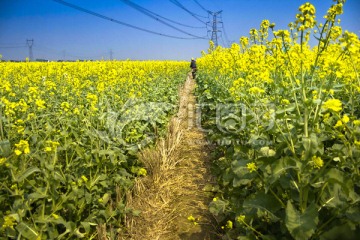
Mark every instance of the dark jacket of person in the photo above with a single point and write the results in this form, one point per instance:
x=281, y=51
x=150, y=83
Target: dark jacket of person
x=193, y=64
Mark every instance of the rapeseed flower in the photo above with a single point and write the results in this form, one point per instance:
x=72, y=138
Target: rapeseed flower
x=345, y=119
x=285, y=101
x=317, y=162
x=229, y=224
x=40, y=104
x=9, y=222
x=22, y=147
x=251, y=167
x=256, y=90
x=51, y=146
x=333, y=104
x=84, y=178
x=65, y=106
x=2, y=161
x=240, y=218
x=339, y=123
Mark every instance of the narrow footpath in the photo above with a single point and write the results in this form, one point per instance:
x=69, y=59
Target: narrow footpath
x=171, y=199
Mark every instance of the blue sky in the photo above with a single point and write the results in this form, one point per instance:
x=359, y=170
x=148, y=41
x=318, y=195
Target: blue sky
x=62, y=32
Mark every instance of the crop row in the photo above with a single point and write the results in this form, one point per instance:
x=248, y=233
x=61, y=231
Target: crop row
x=282, y=107
x=69, y=135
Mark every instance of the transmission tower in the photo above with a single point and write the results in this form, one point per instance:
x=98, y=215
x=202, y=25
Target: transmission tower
x=30, y=43
x=214, y=31
x=111, y=54
x=64, y=55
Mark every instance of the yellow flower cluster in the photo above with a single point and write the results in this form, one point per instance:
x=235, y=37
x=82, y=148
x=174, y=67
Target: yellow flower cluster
x=2, y=161
x=291, y=91
x=51, y=146
x=35, y=97
x=317, y=162
x=22, y=148
x=240, y=219
x=9, y=222
x=306, y=18
x=333, y=104
x=251, y=167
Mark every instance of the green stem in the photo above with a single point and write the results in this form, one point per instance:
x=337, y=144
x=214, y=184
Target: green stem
x=335, y=215
x=293, y=77
x=277, y=198
x=251, y=228
x=305, y=193
x=300, y=191
x=306, y=122
x=352, y=95
x=320, y=50
x=1, y=126
x=272, y=192
x=289, y=143
x=303, y=87
x=326, y=223
x=321, y=192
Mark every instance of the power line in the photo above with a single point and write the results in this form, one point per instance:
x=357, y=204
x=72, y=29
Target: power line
x=178, y=4
x=117, y=21
x=223, y=27
x=149, y=13
x=222, y=40
x=226, y=37
x=65, y=53
x=201, y=6
x=13, y=46
x=141, y=9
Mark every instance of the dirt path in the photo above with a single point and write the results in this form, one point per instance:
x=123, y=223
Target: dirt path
x=179, y=169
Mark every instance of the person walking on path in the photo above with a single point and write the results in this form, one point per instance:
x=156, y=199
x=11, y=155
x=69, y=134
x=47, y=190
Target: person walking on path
x=193, y=67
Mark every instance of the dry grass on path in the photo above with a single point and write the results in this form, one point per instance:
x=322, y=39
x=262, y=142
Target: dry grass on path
x=179, y=169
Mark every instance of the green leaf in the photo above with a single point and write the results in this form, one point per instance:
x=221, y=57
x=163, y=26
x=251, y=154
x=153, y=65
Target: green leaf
x=339, y=190
x=343, y=232
x=264, y=202
x=301, y=225
x=26, y=231
x=242, y=176
x=106, y=198
x=312, y=145
x=70, y=226
x=96, y=179
x=35, y=196
x=353, y=214
x=274, y=171
x=5, y=149
x=58, y=176
x=289, y=108
x=218, y=207
x=22, y=176
x=87, y=226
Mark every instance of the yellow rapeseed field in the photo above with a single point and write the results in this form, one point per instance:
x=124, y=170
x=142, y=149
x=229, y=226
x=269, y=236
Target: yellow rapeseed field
x=283, y=107
x=69, y=133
